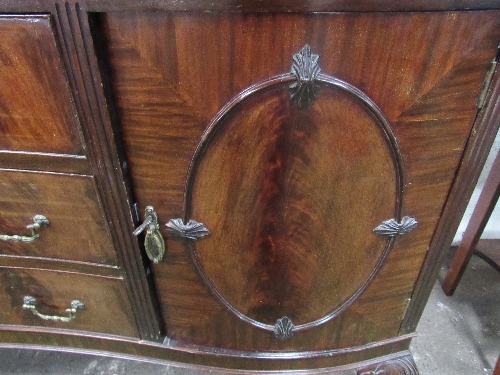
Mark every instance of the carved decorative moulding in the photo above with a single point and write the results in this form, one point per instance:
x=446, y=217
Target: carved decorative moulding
x=192, y=230
x=392, y=228
x=273, y=253
x=398, y=366
x=283, y=330
x=305, y=69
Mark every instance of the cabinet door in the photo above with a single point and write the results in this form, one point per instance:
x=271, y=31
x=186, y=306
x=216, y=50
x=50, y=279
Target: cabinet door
x=311, y=183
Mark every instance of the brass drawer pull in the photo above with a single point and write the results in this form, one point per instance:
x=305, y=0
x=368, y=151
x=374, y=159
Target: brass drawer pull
x=31, y=304
x=153, y=241
x=39, y=221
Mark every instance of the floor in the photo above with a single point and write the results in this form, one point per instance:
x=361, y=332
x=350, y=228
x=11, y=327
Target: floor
x=457, y=335
x=460, y=335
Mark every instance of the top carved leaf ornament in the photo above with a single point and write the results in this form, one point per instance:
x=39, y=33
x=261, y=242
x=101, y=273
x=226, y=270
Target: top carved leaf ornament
x=305, y=69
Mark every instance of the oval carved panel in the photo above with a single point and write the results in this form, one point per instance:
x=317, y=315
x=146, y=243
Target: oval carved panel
x=291, y=194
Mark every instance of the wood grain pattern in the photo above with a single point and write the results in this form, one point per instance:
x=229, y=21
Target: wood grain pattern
x=44, y=6
x=82, y=237
x=282, y=5
x=294, y=196
x=36, y=107
x=106, y=310
x=475, y=154
x=196, y=359
x=76, y=40
x=170, y=77
x=39, y=161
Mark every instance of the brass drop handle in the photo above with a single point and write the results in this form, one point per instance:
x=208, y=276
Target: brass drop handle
x=153, y=241
x=39, y=221
x=31, y=304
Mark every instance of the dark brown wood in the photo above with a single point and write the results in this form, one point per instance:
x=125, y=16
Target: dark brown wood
x=79, y=55
x=398, y=366
x=427, y=87
x=41, y=6
x=36, y=107
x=496, y=371
x=195, y=358
x=106, y=309
x=61, y=265
x=167, y=77
x=83, y=237
x=43, y=162
x=484, y=207
x=476, y=152
x=289, y=213
x=295, y=5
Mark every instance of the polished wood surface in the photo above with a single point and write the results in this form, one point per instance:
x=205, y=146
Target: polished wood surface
x=44, y=162
x=170, y=77
x=475, y=154
x=496, y=371
x=291, y=197
x=155, y=78
x=77, y=231
x=107, y=309
x=36, y=106
x=201, y=358
x=45, y=6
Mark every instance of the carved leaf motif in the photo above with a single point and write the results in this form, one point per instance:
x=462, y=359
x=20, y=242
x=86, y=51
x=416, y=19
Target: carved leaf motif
x=192, y=230
x=283, y=329
x=305, y=68
x=402, y=366
x=392, y=228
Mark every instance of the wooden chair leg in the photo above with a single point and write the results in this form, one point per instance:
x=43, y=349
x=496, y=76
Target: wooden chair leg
x=478, y=221
x=496, y=371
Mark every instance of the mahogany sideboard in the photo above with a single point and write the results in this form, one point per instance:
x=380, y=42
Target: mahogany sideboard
x=241, y=185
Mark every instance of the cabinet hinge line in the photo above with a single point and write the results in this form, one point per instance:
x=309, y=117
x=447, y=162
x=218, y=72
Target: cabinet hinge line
x=487, y=82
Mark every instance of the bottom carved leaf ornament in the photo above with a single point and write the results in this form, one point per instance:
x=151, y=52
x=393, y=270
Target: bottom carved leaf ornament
x=283, y=330
x=400, y=366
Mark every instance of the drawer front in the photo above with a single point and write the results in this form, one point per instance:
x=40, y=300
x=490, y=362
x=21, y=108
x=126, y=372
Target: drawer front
x=36, y=108
x=77, y=229
x=105, y=307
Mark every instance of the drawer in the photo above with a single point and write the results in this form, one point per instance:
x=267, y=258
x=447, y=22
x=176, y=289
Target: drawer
x=36, y=107
x=77, y=229
x=106, y=305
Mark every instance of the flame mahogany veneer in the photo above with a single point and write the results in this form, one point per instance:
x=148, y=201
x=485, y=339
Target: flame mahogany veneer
x=329, y=149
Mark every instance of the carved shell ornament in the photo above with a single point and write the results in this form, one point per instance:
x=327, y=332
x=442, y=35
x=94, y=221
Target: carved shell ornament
x=283, y=329
x=305, y=69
